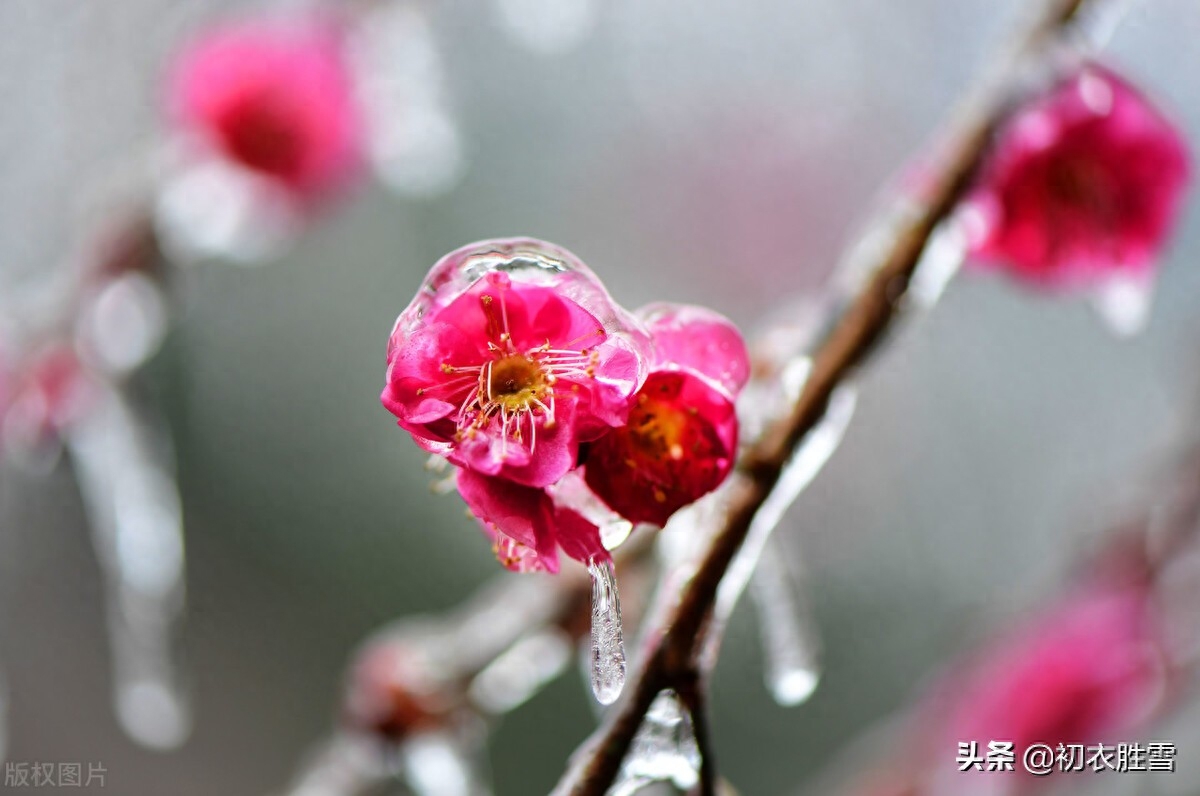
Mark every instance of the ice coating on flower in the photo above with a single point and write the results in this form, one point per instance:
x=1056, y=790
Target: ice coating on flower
x=697, y=339
x=524, y=525
x=681, y=438
x=275, y=98
x=1084, y=183
x=1086, y=670
x=510, y=356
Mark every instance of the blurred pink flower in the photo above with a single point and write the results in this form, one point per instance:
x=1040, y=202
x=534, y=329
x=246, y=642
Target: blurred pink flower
x=509, y=358
x=1084, y=183
x=52, y=390
x=681, y=438
x=525, y=526
x=1092, y=667
x=274, y=98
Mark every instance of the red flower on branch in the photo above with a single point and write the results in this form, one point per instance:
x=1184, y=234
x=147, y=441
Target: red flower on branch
x=1083, y=184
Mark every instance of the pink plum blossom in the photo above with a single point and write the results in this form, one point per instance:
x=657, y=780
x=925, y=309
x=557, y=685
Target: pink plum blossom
x=274, y=98
x=511, y=356
x=525, y=526
x=1089, y=669
x=1084, y=183
x=681, y=438
x=52, y=390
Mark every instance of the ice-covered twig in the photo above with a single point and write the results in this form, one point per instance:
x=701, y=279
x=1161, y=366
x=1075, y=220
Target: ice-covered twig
x=876, y=277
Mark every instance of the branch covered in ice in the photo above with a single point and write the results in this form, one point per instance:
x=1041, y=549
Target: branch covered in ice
x=871, y=294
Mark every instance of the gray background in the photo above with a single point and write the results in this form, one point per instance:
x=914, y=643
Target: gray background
x=718, y=152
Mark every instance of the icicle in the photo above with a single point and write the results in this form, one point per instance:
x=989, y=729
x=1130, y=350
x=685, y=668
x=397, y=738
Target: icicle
x=136, y=524
x=1124, y=304
x=818, y=445
x=664, y=749
x=608, y=638
x=521, y=671
x=437, y=764
x=790, y=641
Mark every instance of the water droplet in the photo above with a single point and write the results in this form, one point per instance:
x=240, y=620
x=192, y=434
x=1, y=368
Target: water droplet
x=125, y=323
x=663, y=750
x=608, y=638
x=1124, y=304
x=790, y=643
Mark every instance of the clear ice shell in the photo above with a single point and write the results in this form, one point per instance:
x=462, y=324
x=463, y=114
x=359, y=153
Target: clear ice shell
x=525, y=261
x=521, y=671
x=607, y=664
x=572, y=492
x=663, y=750
x=126, y=482
x=791, y=644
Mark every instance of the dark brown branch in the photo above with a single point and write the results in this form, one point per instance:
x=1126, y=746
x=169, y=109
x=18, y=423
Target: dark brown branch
x=862, y=323
x=691, y=694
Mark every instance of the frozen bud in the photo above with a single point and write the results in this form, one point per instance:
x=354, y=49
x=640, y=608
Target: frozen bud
x=681, y=438
x=274, y=98
x=1082, y=188
x=392, y=690
x=511, y=355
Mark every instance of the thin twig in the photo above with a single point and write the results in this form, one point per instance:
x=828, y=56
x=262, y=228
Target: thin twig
x=691, y=694
x=862, y=323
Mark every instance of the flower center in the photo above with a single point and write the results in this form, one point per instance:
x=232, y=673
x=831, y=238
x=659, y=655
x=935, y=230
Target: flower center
x=657, y=428
x=1082, y=183
x=263, y=133
x=514, y=382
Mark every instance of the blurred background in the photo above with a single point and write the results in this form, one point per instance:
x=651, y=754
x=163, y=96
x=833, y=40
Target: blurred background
x=706, y=151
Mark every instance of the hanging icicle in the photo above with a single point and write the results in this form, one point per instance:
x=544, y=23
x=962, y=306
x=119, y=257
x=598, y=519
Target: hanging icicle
x=791, y=645
x=806, y=462
x=608, y=639
x=123, y=467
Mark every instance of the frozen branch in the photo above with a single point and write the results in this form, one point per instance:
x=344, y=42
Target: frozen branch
x=899, y=238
